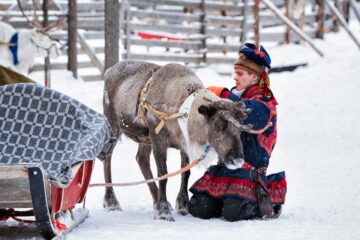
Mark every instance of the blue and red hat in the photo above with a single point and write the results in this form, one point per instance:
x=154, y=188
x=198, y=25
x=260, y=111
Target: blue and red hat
x=253, y=58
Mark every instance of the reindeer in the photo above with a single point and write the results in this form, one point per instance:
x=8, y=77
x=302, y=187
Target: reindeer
x=165, y=88
x=18, y=49
x=30, y=43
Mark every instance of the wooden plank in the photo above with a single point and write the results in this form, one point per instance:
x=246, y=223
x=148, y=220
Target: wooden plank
x=181, y=29
x=176, y=17
x=321, y=19
x=9, y=171
x=288, y=22
x=15, y=192
x=90, y=52
x=90, y=78
x=179, y=17
x=279, y=36
x=220, y=60
x=354, y=7
x=97, y=6
x=196, y=58
x=184, y=45
x=287, y=14
x=342, y=21
x=243, y=25
x=112, y=33
x=60, y=66
x=89, y=35
x=167, y=44
x=191, y=3
x=164, y=28
x=268, y=19
x=72, y=38
x=256, y=28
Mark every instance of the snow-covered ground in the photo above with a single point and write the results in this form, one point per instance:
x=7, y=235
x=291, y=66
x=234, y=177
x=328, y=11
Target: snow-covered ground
x=318, y=147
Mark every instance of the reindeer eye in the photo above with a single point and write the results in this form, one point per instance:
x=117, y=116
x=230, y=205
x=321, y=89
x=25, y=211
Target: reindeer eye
x=221, y=124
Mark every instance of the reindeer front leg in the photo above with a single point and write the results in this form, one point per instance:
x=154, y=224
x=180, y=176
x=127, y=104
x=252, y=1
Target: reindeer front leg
x=110, y=201
x=163, y=208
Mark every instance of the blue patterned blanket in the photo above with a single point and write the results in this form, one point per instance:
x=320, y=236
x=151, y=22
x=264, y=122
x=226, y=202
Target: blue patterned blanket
x=40, y=125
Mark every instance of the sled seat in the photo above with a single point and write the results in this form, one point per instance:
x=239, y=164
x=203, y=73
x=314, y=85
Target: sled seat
x=29, y=186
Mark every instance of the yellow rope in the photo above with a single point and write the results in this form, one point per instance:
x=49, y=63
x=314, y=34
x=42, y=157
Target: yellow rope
x=162, y=116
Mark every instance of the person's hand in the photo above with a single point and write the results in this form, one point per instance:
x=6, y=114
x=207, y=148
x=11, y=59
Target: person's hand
x=219, y=91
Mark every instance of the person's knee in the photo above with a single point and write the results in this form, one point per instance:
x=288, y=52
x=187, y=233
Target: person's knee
x=204, y=206
x=237, y=209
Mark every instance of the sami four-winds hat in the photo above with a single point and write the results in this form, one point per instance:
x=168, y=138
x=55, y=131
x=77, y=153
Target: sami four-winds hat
x=253, y=58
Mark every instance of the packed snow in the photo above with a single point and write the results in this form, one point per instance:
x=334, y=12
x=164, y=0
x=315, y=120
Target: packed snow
x=318, y=147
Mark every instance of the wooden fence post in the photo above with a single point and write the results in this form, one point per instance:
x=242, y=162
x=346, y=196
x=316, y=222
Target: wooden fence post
x=320, y=19
x=257, y=23
x=45, y=8
x=336, y=20
x=287, y=14
x=342, y=20
x=295, y=28
x=353, y=5
x=72, y=37
x=346, y=10
x=111, y=33
x=243, y=23
x=203, y=29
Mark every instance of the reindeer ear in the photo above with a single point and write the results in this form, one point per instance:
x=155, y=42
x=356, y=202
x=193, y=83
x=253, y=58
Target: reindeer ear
x=207, y=111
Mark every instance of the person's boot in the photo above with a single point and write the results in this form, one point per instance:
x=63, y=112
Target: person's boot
x=235, y=209
x=277, y=211
x=204, y=206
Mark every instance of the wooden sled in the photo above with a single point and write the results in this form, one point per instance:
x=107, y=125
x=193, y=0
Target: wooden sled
x=50, y=202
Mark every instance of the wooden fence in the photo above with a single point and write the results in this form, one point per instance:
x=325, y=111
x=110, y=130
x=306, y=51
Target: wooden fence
x=199, y=32
x=204, y=32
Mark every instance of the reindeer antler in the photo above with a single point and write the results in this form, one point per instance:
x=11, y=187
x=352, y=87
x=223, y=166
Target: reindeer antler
x=238, y=108
x=226, y=115
x=35, y=23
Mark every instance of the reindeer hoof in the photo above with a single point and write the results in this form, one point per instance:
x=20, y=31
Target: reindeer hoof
x=165, y=216
x=182, y=211
x=163, y=212
x=111, y=204
x=182, y=206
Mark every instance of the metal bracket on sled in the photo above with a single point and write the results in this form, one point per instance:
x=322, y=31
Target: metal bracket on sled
x=40, y=204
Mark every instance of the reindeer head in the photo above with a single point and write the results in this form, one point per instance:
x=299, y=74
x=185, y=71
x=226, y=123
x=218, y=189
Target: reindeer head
x=44, y=44
x=224, y=119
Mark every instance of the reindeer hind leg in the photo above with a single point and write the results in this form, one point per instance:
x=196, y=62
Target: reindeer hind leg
x=182, y=199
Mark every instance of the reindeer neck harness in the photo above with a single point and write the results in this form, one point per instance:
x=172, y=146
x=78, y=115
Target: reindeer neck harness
x=144, y=105
x=182, y=116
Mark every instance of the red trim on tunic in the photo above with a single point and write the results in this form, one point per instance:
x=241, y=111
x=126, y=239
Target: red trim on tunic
x=229, y=186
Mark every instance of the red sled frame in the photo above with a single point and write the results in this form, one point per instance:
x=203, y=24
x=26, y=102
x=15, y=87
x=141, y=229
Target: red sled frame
x=27, y=186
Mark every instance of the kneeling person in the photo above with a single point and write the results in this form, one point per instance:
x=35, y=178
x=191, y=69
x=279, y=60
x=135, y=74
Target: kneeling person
x=246, y=192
